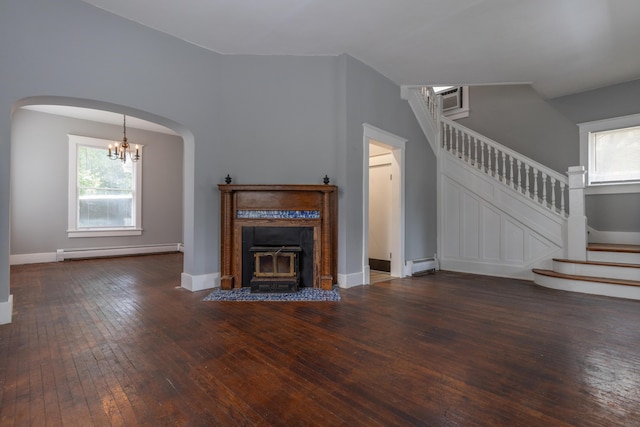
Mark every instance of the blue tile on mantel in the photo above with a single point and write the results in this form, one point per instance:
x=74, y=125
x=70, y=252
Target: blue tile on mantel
x=277, y=214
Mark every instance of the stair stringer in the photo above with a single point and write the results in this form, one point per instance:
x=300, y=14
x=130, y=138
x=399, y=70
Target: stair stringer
x=487, y=227
x=427, y=123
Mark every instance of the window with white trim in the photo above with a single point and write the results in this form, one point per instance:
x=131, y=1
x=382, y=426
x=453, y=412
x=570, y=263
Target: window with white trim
x=610, y=150
x=105, y=195
x=614, y=156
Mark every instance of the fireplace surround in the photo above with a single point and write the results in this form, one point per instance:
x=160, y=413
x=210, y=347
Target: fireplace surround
x=271, y=209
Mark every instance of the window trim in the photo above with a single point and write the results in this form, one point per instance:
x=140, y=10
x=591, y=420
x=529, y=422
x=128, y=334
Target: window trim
x=599, y=126
x=72, y=228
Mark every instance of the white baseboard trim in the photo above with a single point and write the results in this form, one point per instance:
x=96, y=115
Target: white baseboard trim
x=32, y=258
x=614, y=237
x=62, y=254
x=200, y=282
x=510, y=271
x=6, y=311
x=346, y=281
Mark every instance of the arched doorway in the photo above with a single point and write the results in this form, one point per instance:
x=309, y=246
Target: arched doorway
x=107, y=114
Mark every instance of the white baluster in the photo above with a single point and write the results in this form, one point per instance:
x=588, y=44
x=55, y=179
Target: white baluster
x=495, y=168
x=504, y=167
x=455, y=142
x=447, y=139
x=513, y=182
x=562, y=197
x=553, y=193
x=519, y=174
x=483, y=148
x=475, y=156
x=544, y=188
x=526, y=171
x=535, y=184
x=465, y=147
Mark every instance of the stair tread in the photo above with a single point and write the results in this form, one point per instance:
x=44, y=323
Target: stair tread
x=552, y=273
x=601, y=263
x=613, y=247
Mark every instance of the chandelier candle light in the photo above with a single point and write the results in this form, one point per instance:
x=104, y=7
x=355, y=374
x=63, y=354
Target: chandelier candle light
x=123, y=149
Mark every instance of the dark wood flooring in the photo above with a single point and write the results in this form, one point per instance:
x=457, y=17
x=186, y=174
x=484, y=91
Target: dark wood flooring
x=118, y=342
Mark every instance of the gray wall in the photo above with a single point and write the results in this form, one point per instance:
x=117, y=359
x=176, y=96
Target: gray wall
x=604, y=103
x=39, y=182
x=373, y=99
x=517, y=117
x=261, y=119
x=610, y=212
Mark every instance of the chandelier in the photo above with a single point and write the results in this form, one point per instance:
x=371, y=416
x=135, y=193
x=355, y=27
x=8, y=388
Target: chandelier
x=123, y=149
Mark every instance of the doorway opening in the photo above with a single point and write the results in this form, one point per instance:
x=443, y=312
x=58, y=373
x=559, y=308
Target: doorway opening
x=104, y=120
x=383, y=202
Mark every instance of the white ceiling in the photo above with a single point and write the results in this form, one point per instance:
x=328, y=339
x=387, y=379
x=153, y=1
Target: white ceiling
x=99, y=116
x=559, y=46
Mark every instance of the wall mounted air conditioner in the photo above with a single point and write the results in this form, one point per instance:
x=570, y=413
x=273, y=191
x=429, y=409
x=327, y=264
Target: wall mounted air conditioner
x=451, y=99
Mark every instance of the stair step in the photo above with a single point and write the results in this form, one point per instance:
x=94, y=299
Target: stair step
x=612, y=247
x=604, y=264
x=613, y=253
x=612, y=270
x=551, y=273
x=588, y=284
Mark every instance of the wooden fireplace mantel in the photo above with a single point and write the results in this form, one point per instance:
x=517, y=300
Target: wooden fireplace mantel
x=279, y=206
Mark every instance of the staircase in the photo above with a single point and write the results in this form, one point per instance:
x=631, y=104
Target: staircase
x=612, y=270
x=503, y=214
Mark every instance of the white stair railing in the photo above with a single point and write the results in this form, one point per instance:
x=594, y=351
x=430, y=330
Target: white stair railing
x=542, y=185
x=539, y=183
x=430, y=102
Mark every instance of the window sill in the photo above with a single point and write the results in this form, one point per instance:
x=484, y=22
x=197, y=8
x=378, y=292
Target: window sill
x=111, y=232
x=459, y=113
x=613, y=188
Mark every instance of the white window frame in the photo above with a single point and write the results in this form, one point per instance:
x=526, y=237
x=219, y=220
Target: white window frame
x=73, y=231
x=586, y=131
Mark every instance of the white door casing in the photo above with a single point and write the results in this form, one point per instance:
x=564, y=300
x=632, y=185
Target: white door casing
x=396, y=144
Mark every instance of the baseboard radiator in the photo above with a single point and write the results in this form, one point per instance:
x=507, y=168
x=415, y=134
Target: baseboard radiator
x=418, y=267
x=80, y=253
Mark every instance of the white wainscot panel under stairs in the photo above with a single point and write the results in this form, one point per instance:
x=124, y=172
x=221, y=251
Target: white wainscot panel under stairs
x=489, y=228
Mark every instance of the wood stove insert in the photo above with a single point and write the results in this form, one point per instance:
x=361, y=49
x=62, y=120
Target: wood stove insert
x=275, y=269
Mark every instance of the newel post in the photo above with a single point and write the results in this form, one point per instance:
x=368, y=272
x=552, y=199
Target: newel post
x=577, y=223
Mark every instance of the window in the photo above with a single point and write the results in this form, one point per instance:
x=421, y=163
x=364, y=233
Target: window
x=104, y=194
x=614, y=156
x=610, y=150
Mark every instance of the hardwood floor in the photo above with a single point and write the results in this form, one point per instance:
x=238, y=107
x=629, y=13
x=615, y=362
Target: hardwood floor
x=118, y=342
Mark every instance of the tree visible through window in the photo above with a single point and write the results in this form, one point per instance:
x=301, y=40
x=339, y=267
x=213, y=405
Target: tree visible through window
x=105, y=190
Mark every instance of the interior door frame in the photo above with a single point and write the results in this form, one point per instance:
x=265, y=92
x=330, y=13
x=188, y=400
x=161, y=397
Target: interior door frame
x=396, y=144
